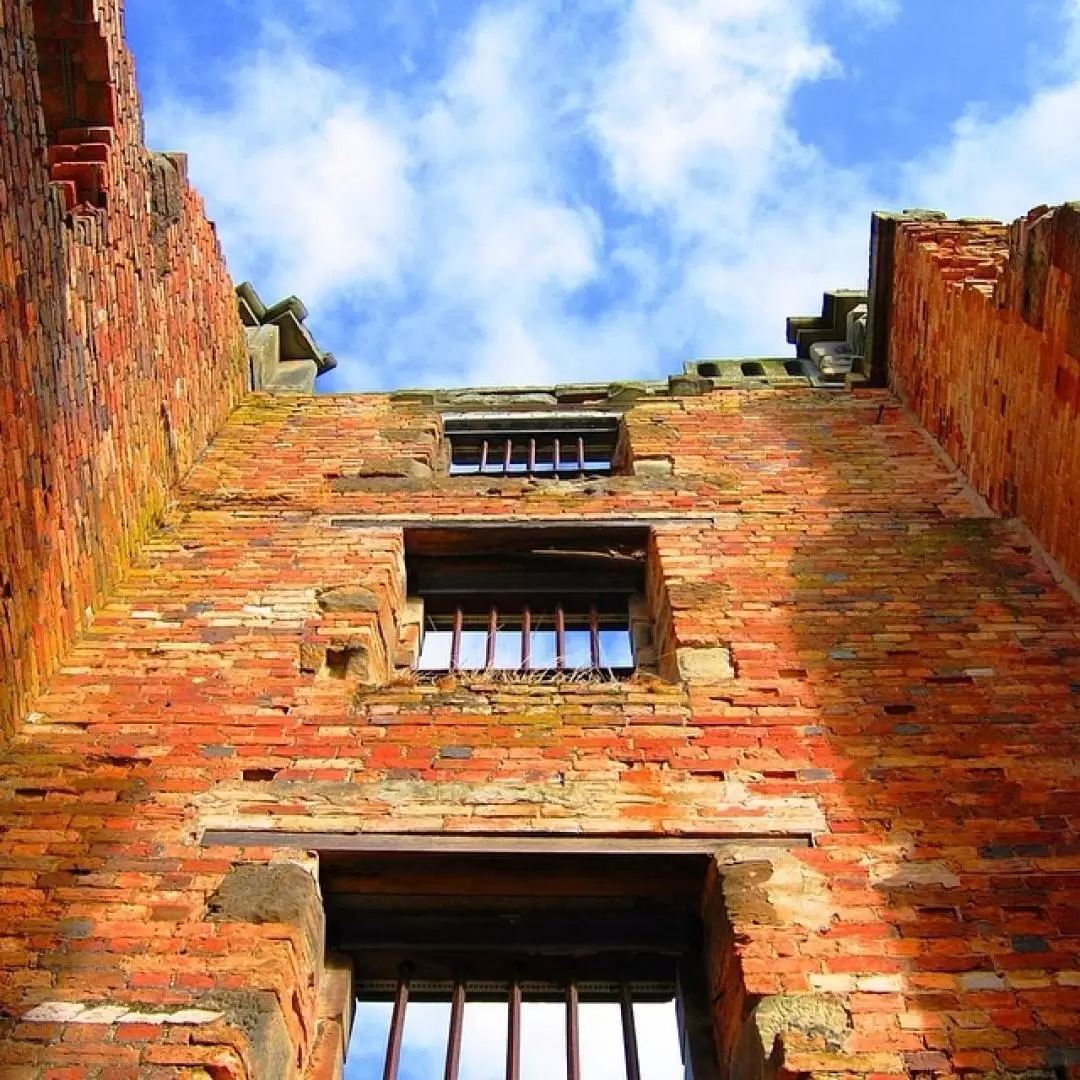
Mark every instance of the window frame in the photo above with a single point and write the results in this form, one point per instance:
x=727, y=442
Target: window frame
x=529, y=445
x=614, y=928
x=562, y=590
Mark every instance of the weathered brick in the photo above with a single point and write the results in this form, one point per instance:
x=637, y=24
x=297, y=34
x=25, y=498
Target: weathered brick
x=120, y=348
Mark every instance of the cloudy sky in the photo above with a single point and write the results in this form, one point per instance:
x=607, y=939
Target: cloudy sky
x=470, y=192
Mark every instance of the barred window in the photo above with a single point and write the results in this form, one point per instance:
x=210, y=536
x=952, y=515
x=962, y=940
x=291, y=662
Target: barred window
x=523, y=966
x=555, y=1006
x=528, y=633
x=568, y=445
x=528, y=600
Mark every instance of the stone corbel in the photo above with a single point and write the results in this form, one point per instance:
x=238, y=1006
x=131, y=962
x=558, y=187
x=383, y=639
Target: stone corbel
x=284, y=356
x=835, y=340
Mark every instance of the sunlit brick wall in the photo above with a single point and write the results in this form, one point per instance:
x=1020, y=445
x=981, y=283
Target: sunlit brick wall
x=903, y=692
x=120, y=349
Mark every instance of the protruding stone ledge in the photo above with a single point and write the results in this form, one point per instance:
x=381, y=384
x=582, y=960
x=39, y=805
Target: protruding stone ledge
x=834, y=342
x=279, y=893
x=284, y=356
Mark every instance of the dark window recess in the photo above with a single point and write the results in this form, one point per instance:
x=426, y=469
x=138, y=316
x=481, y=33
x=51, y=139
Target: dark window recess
x=558, y=968
x=528, y=600
x=545, y=446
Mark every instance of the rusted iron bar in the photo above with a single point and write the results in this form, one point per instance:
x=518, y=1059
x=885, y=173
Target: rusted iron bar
x=453, y=1042
x=455, y=639
x=594, y=636
x=492, y=636
x=526, y=638
x=508, y=457
x=513, y=1033
x=581, y=454
x=630, y=1046
x=560, y=637
x=397, y=1027
x=573, y=1039
x=484, y=448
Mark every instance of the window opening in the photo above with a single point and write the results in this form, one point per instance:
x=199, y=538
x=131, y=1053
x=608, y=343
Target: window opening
x=523, y=601
x=520, y=634
x=423, y=1028
x=553, y=446
x=529, y=968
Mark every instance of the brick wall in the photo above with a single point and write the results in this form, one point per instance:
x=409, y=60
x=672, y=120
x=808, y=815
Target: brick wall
x=985, y=346
x=906, y=690
x=120, y=349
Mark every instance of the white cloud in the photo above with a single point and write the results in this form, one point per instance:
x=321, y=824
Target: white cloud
x=1001, y=167
x=691, y=114
x=503, y=247
x=309, y=188
x=878, y=12
x=563, y=203
x=693, y=119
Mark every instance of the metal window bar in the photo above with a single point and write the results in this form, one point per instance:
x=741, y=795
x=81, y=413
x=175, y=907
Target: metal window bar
x=526, y=638
x=629, y=1031
x=453, y=1041
x=455, y=640
x=541, y=454
x=492, y=636
x=513, y=995
x=526, y=627
x=573, y=1034
x=397, y=1028
x=513, y=1033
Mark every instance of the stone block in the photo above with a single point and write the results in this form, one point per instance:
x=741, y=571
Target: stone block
x=258, y=1016
x=347, y=598
x=705, y=664
x=801, y=1020
x=278, y=893
x=653, y=467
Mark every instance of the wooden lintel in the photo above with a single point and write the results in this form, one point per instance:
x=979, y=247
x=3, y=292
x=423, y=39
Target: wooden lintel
x=498, y=845
x=535, y=524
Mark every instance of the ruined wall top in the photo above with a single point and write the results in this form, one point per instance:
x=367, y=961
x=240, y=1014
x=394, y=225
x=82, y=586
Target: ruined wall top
x=977, y=325
x=121, y=351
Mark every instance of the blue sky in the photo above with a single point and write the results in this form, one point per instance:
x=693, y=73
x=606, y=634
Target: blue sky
x=468, y=192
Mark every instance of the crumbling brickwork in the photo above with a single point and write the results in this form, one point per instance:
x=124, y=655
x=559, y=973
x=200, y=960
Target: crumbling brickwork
x=904, y=691
x=984, y=344
x=120, y=348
